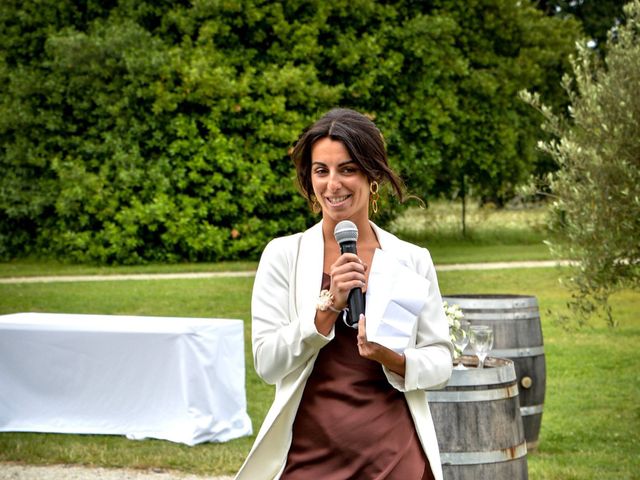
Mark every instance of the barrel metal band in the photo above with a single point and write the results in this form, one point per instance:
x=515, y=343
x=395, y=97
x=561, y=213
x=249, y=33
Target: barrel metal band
x=495, y=303
x=531, y=410
x=473, y=395
x=518, y=352
x=490, y=456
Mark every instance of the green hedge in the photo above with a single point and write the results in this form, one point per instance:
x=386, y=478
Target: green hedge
x=138, y=131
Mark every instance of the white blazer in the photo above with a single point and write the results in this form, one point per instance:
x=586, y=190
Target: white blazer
x=286, y=342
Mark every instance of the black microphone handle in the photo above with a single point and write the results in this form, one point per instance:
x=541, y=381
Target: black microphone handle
x=356, y=305
x=356, y=299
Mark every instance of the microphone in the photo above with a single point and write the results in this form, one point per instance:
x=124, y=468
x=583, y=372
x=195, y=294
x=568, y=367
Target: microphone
x=346, y=234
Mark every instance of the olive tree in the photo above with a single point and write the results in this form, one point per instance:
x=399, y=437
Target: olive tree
x=596, y=212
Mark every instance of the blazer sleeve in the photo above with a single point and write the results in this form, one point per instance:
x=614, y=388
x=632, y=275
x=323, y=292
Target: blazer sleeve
x=281, y=341
x=429, y=362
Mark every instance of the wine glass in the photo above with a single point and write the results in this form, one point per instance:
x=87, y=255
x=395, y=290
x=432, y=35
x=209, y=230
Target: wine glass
x=481, y=340
x=461, y=340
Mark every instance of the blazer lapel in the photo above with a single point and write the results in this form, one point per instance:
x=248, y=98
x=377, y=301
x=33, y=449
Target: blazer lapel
x=387, y=242
x=390, y=244
x=309, y=271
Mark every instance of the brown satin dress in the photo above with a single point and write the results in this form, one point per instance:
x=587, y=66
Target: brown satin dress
x=351, y=423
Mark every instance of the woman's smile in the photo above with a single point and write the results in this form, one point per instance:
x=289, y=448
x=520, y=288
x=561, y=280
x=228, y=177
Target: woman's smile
x=336, y=201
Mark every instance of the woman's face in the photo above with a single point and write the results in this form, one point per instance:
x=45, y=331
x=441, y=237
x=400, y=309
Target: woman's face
x=340, y=185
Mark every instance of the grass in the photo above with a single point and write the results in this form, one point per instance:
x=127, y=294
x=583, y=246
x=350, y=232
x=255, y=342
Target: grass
x=487, y=225
x=443, y=252
x=492, y=235
x=463, y=252
x=591, y=424
x=29, y=267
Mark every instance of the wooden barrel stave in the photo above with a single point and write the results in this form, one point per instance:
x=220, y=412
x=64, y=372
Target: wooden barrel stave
x=495, y=436
x=478, y=423
x=524, y=331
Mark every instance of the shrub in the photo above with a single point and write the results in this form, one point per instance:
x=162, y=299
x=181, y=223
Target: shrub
x=138, y=131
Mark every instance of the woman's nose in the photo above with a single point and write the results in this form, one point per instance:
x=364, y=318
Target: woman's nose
x=334, y=182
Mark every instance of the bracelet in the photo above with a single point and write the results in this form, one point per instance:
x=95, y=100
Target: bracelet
x=325, y=302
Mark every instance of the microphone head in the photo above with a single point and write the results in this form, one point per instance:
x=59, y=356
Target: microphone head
x=346, y=231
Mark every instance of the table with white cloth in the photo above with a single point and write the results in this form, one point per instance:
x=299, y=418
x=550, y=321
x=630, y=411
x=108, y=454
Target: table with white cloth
x=173, y=378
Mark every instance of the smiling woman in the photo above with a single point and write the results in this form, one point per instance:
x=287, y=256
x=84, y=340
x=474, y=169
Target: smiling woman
x=333, y=380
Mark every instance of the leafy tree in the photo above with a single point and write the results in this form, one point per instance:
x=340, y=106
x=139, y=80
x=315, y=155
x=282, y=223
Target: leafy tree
x=507, y=45
x=597, y=185
x=596, y=16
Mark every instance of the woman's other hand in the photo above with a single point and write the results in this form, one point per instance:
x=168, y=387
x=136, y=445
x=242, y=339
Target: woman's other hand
x=379, y=353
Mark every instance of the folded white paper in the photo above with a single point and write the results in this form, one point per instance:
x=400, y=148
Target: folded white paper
x=395, y=298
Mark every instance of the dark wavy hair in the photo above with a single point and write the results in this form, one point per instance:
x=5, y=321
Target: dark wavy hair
x=362, y=139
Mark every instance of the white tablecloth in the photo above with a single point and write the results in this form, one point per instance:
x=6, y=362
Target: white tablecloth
x=178, y=379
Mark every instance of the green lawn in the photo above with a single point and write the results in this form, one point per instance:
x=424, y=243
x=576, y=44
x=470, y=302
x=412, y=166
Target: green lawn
x=446, y=251
x=492, y=235
x=591, y=423
x=36, y=267
x=453, y=251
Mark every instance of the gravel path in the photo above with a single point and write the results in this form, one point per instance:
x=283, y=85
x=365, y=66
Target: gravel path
x=73, y=472
x=173, y=276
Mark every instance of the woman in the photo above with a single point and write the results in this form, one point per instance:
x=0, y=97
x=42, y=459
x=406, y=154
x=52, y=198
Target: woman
x=345, y=407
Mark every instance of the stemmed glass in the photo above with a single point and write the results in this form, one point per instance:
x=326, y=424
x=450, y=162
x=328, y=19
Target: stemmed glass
x=481, y=340
x=461, y=340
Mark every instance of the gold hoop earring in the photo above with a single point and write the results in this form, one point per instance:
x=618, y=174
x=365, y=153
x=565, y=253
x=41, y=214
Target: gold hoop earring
x=375, y=196
x=315, y=206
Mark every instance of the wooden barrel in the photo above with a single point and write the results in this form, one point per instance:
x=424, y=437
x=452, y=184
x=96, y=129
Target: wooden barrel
x=478, y=423
x=517, y=336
